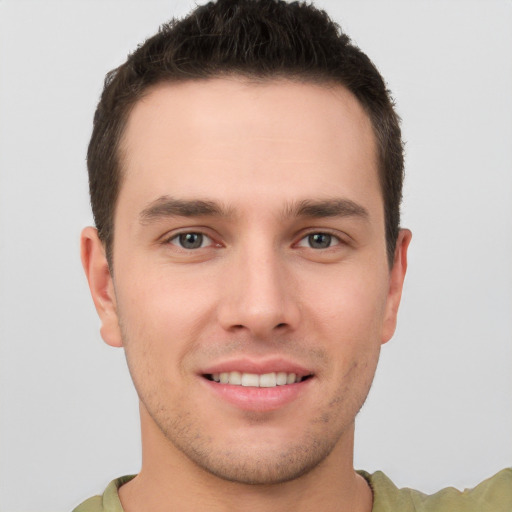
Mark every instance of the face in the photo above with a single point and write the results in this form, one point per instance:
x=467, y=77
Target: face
x=251, y=287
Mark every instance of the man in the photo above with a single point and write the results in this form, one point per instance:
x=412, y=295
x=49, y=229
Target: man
x=246, y=175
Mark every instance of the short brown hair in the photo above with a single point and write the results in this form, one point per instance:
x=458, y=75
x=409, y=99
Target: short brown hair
x=261, y=39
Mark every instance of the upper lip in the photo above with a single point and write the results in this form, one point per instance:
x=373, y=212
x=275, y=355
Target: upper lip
x=262, y=366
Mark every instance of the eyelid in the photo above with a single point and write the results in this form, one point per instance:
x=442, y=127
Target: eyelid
x=341, y=238
x=168, y=237
x=177, y=237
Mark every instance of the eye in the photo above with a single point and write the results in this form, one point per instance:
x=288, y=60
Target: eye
x=191, y=240
x=319, y=241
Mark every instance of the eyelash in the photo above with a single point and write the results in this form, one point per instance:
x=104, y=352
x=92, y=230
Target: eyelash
x=179, y=238
x=331, y=238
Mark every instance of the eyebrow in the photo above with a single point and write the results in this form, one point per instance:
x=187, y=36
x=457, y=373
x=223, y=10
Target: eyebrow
x=326, y=208
x=166, y=206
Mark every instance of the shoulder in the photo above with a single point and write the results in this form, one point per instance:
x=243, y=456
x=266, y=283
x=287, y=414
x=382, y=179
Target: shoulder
x=492, y=495
x=108, y=501
x=93, y=504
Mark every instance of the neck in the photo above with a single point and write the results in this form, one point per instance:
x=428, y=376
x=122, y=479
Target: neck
x=168, y=480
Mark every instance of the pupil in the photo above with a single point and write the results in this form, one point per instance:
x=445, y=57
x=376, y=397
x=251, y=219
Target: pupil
x=191, y=240
x=320, y=240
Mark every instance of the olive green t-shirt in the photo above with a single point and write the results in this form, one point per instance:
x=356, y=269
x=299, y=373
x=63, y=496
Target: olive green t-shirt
x=492, y=495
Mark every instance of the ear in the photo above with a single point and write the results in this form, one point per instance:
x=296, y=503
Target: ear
x=101, y=285
x=396, y=283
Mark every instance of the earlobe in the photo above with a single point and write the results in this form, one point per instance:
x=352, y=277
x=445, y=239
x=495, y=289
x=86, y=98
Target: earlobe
x=396, y=283
x=96, y=269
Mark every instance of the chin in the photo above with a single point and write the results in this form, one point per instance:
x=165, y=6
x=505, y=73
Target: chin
x=261, y=463
x=262, y=469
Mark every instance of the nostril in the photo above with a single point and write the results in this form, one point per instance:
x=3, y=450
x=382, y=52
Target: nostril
x=280, y=326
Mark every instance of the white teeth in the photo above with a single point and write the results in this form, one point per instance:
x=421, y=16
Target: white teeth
x=235, y=378
x=250, y=380
x=266, y=380
x=281, y=378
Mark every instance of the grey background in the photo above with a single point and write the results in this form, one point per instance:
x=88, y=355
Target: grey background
x=440, y=409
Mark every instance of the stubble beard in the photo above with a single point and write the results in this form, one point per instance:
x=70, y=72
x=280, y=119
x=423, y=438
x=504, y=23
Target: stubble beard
x=265, y=464
x=262, y=463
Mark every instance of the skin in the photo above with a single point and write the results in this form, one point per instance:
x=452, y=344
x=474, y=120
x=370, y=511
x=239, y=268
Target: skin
x=257, y=288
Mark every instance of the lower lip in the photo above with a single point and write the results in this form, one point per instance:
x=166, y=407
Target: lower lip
x=258, y=399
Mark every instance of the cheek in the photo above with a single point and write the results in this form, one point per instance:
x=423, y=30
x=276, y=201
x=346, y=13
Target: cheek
x=348, y=321
x=157, y=299
x=351, y=305
x=159, y=324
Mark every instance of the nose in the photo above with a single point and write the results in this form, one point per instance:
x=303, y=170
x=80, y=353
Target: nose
x=259, y=295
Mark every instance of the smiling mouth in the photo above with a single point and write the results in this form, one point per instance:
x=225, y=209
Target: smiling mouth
x=255, y=380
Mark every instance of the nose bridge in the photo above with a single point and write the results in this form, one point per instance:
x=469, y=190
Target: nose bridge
x=258, y=295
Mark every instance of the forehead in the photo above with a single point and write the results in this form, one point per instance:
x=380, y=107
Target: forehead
x=240, y=140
